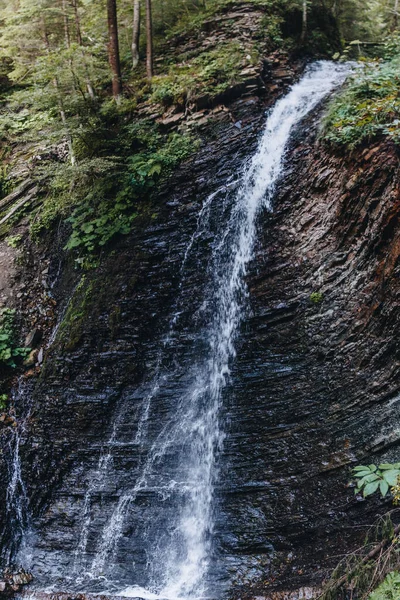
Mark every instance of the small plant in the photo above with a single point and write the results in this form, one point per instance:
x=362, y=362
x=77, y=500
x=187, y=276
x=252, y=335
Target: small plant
x=316, y=297
x=9, y=350
x=383, y=477
x=14, y=241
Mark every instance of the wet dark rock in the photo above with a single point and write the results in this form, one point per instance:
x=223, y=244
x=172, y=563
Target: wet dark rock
x=12, y=583
x=315, y=386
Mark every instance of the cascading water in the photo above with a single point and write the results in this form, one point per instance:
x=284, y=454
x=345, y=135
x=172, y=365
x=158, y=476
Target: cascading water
x=180, y=463
x=179, y=435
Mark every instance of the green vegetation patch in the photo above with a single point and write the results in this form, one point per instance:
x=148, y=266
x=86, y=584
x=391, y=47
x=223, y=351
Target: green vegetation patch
x=100, y=197
x=368, y=106
x=389, y=589
x=10, y=352
x=210, y=73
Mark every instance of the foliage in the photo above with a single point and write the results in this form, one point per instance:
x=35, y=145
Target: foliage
x=369, y=106
x=14, y=241
x=95, y=223
x=210, y=73
x=370, y=478
x=9, y=350
x=389, y=589
x=55, y=99
x=100, y=196
x=106, y=211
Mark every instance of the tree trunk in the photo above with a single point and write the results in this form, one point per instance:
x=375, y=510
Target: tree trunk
x=113, y=48
x=304, y=23
x=66, y=25
x=149, y=41
x=79, y=39
x=395, y=21
x=136, y=33
x=77, y=23
x=60, y=101
x=67, y=36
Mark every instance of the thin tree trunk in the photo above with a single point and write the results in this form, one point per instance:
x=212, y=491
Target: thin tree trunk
x=66, y=24
x=60, y=102
x=136, y=33
x=395, y=21
x=149, y=41
x=67, y=36
x=304, y=23
x=79, y=39
x=77, y=23
x=113, y=48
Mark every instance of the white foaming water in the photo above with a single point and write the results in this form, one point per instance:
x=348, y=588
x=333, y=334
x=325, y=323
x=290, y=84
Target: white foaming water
x=179, y=555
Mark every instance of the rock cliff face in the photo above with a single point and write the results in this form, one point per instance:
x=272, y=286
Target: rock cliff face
x=315, y=383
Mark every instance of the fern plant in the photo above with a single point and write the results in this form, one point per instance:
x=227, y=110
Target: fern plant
x=9, y=350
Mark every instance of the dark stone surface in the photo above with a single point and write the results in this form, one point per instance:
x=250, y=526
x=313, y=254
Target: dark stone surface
x=314, y=387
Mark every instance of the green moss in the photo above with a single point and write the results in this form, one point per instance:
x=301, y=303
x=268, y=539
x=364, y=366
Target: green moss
x=14, y=241
x=71, y=329
x=210, y=73
x=114, y=321
x=316, y=297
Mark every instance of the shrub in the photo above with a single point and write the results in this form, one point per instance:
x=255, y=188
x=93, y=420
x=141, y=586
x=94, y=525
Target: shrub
x=370, y=478
x=99, y=197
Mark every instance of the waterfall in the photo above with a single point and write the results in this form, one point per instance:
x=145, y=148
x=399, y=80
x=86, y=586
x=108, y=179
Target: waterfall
x=177, y=443
x=180, y=464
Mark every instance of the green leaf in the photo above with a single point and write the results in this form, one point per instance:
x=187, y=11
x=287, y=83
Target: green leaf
x=368, y=479
x=362, y=473
x=361, y=468
x=370, y=488
x=87, y=227
x=155, y=169
x=384, y=487
x=391, y=476
x=372, y=468
x=387, y=466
